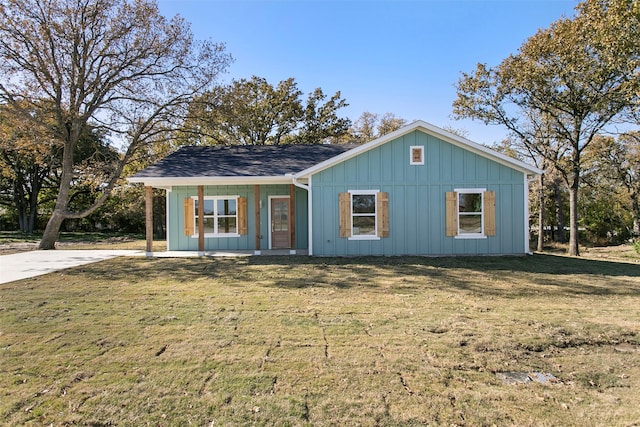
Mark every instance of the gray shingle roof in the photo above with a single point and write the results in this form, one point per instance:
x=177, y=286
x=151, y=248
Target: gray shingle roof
x=240, y=160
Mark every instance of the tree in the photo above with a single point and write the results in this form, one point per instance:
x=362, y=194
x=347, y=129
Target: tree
x=30, y=163
x=389, y=122
x=28, y=155
x=569, y=81
x=254, y=112
x=321, y=122
x=613, y=168
x=364, y=128
x=370, y=126
x=117, y=65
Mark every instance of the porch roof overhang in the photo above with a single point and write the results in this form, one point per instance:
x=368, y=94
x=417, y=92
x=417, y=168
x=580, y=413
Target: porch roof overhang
x=169, y=182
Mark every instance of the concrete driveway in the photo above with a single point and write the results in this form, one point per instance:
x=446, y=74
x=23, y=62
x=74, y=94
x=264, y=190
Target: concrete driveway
x=35, y=263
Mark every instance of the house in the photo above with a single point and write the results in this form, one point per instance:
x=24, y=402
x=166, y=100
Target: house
x=417, y=191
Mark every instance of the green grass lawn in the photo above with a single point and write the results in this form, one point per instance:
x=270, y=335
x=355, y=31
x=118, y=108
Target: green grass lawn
x=323, y=342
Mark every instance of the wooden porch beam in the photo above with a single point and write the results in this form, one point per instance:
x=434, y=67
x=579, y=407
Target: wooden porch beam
x=292, y=215
x=201, y=220
x=148, y=221
x=256, y=204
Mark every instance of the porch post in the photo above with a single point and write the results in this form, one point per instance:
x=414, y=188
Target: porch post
x=292, y=215
x=148, y=221
x=200, y=220
x=256, y=208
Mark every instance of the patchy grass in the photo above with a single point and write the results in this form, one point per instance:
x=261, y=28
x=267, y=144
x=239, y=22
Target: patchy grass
x=301, y=341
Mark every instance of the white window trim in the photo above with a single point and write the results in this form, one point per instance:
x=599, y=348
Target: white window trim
x=413, y=147
x=463, y=235
x=215, y=235
x=364, y=193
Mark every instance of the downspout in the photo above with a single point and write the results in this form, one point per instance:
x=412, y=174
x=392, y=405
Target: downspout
x=307, y=188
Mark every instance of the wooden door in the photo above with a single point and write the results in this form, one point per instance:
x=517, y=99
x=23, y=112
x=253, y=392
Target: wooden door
x=280, y=224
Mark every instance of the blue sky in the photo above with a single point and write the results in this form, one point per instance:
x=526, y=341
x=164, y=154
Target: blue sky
x=403, y=57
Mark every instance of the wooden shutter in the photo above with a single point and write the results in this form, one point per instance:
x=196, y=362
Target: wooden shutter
x=242, y=216
x=189, y=229
x=489, y=213
x=344, y=206
x=382, y=210
x=451, y=213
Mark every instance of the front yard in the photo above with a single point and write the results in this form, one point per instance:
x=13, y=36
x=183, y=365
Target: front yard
x=299, y=341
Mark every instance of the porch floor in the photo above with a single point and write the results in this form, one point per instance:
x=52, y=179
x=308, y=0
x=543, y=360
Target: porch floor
x=190, y=254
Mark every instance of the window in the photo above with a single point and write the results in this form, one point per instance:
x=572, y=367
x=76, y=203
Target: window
x=416, y=155
x=220, y=216
x=470, y=213
x=364, y=214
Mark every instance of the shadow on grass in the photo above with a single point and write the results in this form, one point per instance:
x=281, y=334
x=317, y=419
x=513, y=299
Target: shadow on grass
x=503, y=276
x=486, y=275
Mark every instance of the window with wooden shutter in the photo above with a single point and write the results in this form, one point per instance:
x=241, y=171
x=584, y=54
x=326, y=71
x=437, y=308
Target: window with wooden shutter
x=242, y=216
x=383, y=214
x=451, y=213
x=344, y=208
x=223, y=216
x=470, y=213
x=489, y=213
x=189, y=224
x=364, y=214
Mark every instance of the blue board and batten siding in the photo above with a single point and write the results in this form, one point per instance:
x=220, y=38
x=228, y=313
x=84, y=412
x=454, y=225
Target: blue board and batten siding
x=178, y=241
x=417, y=199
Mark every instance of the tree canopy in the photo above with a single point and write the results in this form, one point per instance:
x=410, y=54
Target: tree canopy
x=370, y=126
x=254, y=112
x=116, y=65
x=565, y=85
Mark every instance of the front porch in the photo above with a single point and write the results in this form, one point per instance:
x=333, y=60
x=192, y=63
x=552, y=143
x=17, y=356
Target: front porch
x=214, y=254
x=267, y=219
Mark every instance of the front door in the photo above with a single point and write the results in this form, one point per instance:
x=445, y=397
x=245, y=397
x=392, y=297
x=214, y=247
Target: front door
x=280, y=226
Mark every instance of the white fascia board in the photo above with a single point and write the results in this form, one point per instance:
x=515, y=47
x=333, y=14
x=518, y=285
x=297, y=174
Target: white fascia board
x=431, y=130
x=169, y=182
x=482, y=150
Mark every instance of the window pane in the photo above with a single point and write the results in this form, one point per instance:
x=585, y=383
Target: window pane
x=471, y=223
x=364, y=225
x=470, y=202
x=208, y=207
x=208, y=226
x=364, y=203
x=226, y=207
x=227, y=225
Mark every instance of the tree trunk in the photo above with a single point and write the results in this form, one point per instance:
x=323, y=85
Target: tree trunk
x=574, y=249
x=635, y=208
x=541, y=214
x=51, y=232
x=557, y=197
x=59, y=213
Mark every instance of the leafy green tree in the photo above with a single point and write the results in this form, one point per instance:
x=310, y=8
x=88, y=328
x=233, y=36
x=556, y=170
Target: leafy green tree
x=370, y=126
x=364, y=128
x=254, y=112
x=613, y=170
x=320, y=122
x=28, y=157
x=570, y=81
x=30, y=165
x=114, y=64
x=389, y=122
